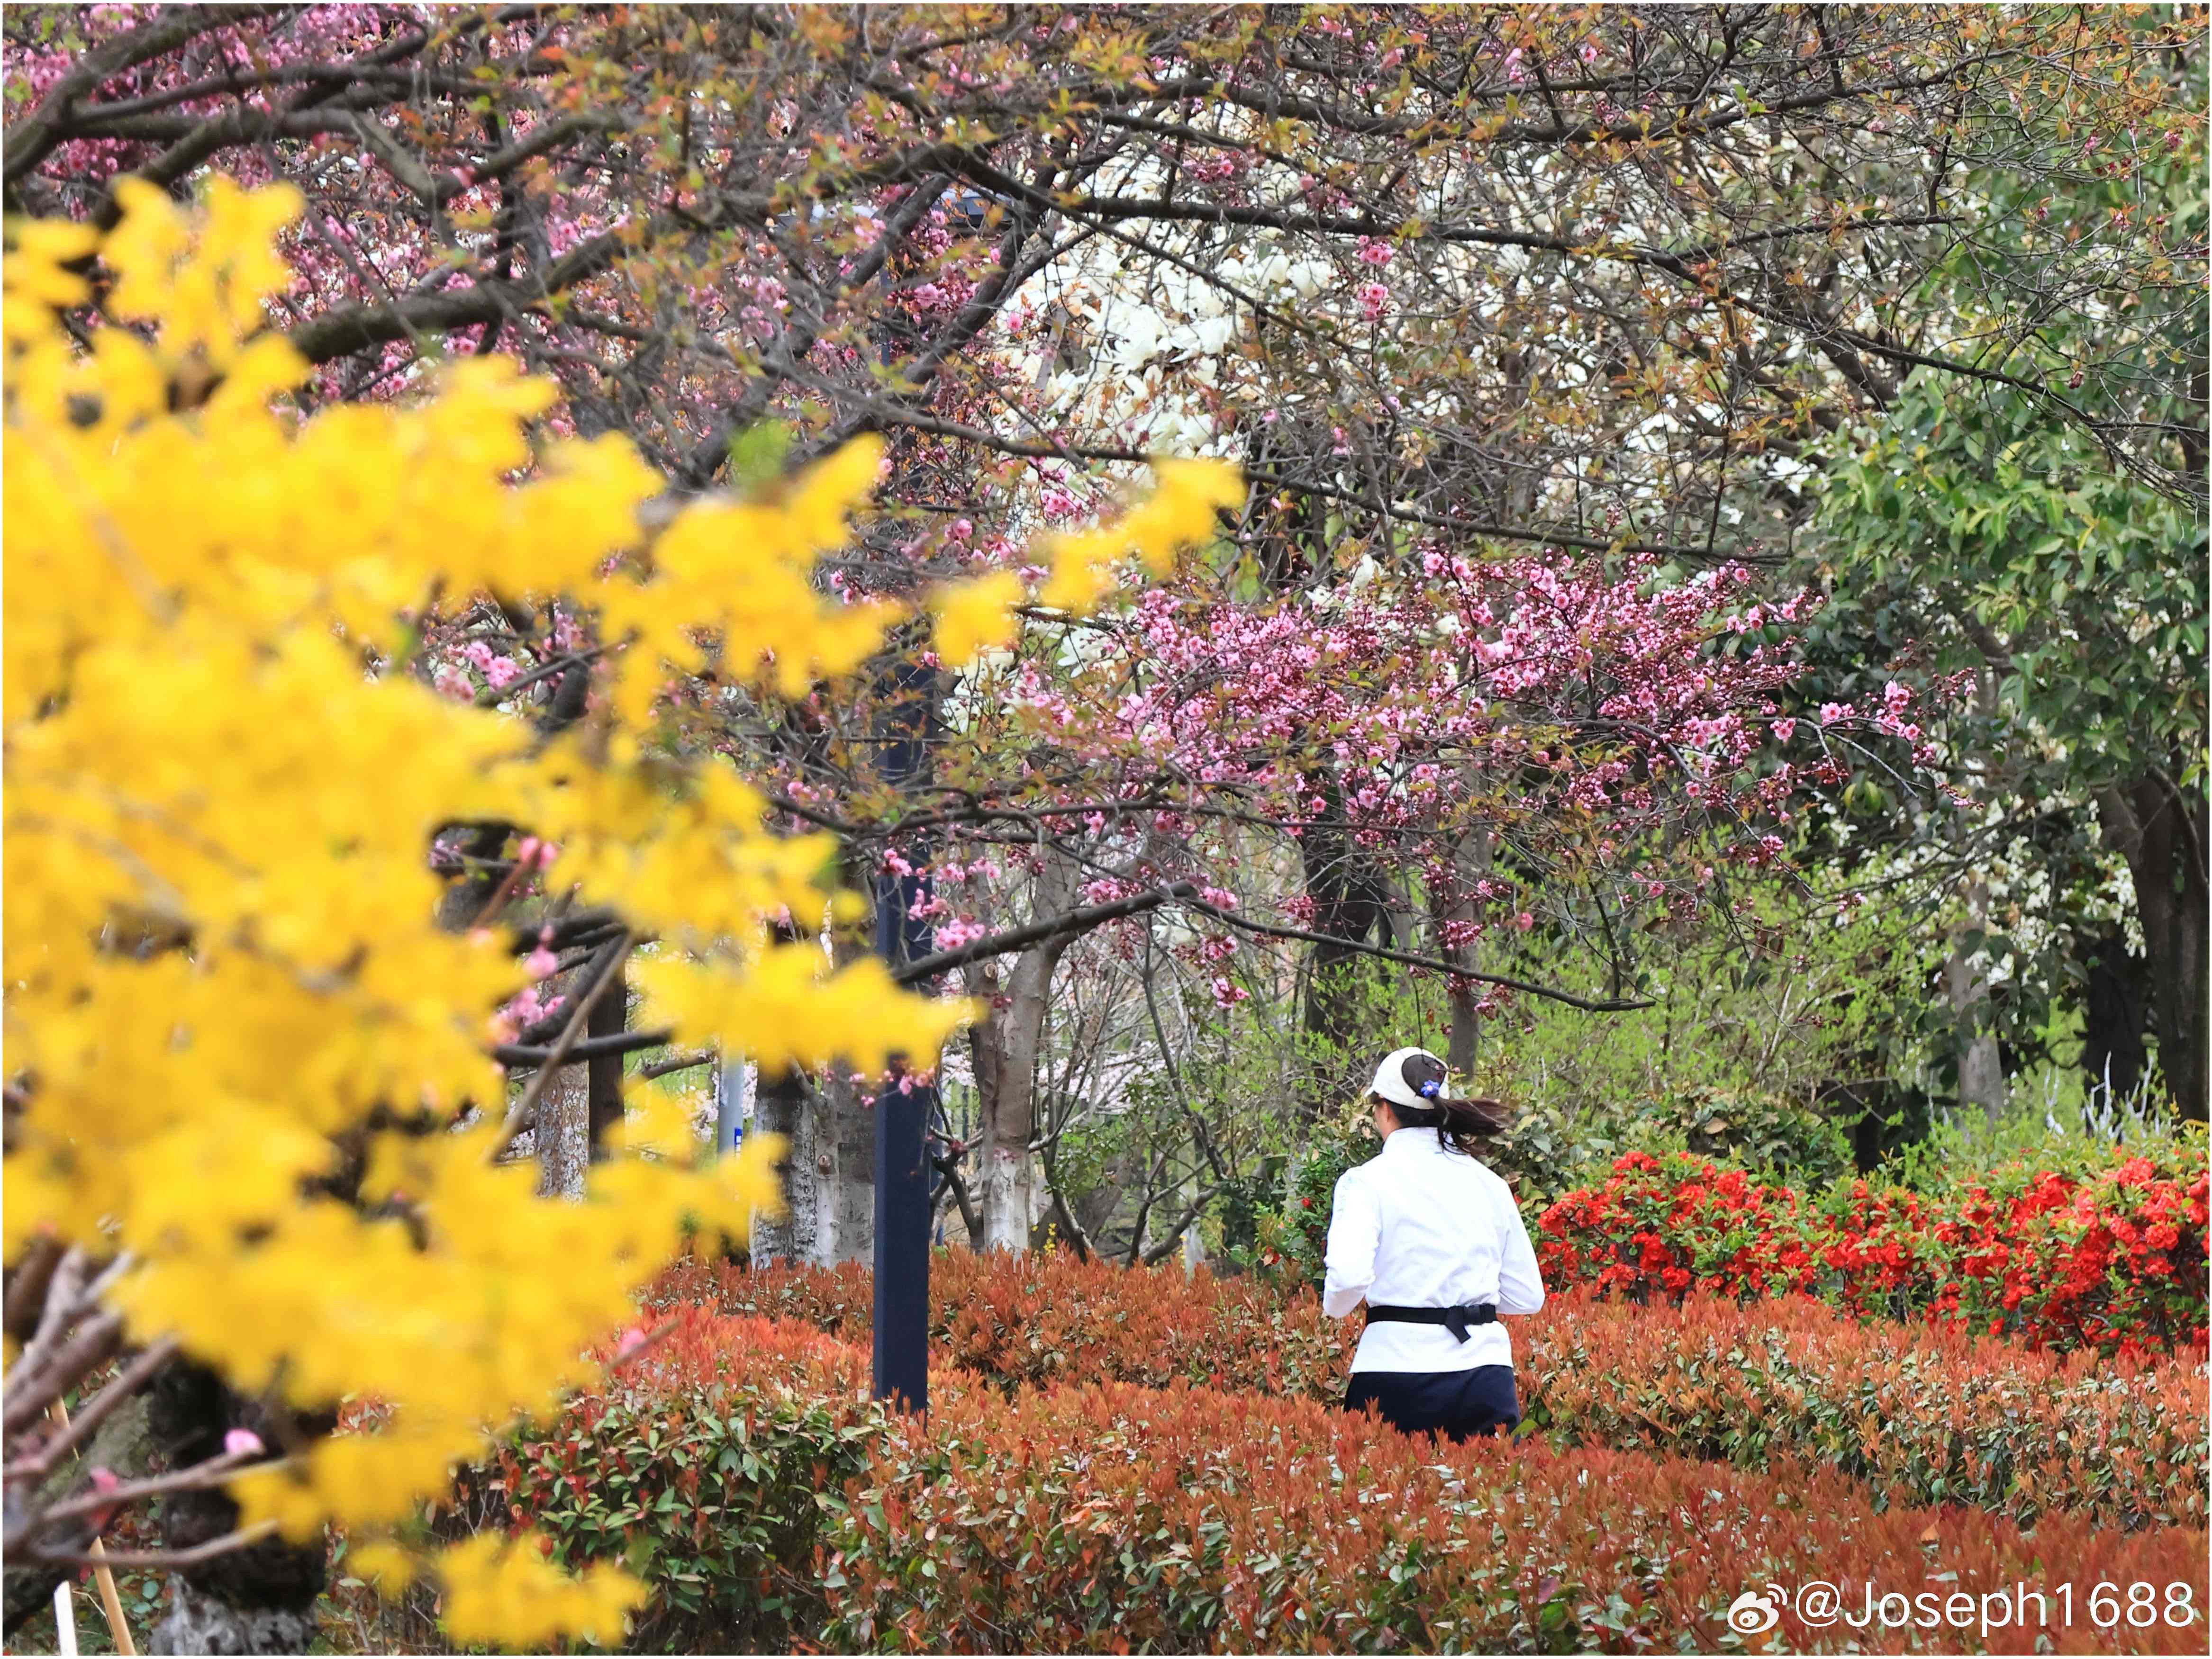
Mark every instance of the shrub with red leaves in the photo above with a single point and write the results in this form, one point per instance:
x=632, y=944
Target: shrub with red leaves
x=1185, y=1520
x=1036, y=1319
x=1922, y=1413
x=734, y=1463
x=697, y=1462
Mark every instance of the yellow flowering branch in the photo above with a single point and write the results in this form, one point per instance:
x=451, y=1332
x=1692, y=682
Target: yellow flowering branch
x=253, y=1114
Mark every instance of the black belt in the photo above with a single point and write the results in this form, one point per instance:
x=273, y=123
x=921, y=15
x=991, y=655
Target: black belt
x=1455, y=1320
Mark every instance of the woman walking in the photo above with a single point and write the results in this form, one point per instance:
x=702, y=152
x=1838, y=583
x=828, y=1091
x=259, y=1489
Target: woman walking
x=1430, y=1239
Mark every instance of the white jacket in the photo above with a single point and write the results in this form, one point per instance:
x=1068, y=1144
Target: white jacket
x=1424, y=1226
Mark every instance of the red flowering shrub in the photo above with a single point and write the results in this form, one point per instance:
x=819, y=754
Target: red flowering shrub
x=1923, y=1413
x=2114, y=1261
x=1673, y=1226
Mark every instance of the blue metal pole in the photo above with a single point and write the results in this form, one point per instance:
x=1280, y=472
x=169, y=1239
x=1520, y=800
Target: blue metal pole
x=903, y=1198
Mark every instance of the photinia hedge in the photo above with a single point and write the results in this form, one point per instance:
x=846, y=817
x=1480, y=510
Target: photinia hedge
x=734, y=1463
x=1031, y=1320
x=1923, y=1413
x=1189, y=1520
x=2113, y=1262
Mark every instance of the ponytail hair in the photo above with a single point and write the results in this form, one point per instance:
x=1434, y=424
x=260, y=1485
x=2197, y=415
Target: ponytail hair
x=1461, y=1125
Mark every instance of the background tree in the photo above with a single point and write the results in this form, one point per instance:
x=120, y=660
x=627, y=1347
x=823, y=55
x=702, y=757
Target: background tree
x=1494, y=278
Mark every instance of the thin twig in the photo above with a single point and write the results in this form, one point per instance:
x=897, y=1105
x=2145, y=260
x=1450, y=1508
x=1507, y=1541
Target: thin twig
x=164, y=1558
x=677, y=1063
x=515, y=877
x=103, y=1573
x=94, y=1344
x=212, y=1473
x=133, y=1377
x=54, y=1318
x=618, y=947
x=1587, y=1004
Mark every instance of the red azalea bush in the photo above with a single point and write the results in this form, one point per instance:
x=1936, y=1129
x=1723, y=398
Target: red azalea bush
x=735, y=1464
x=2114, y=1261
x=1674, y=1225
x=1920, y=1412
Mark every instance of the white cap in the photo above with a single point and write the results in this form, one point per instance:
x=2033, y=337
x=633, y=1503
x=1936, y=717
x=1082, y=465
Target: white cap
x=1390, y=1079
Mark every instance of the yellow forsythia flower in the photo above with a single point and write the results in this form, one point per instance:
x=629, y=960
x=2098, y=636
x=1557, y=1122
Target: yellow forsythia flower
x=505, y=1591
x=977, y=616
x=225, y=981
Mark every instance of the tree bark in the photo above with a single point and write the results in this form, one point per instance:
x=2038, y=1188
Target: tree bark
x=1348, y=904
x=779, y=1108
x=2161, y=833
x=256, y=1600
x=610, y=1017
x=1010, y=1193
x=2114, y=1007
x=1981, y=1070
x=843, y=1134
x=124, y=1444
x=1472, y=858
x=561, y=1136
x=845, y=1167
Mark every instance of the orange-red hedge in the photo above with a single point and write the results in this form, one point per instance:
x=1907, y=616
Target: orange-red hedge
x=1112, y=1517
x=1924, y=1414
x=736, y=1464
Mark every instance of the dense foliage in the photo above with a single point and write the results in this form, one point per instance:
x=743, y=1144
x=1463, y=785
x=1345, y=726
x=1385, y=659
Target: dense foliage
x=1959, y=1417
x=2115, y=1261
x=734, y=1460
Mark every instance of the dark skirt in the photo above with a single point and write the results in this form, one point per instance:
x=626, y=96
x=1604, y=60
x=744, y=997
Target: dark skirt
x=1458, y=1403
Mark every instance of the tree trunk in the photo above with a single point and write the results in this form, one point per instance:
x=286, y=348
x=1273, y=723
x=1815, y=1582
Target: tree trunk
x=566, y=1138
x=2162, y=833
x=2114, y=1012
x=122, y=1444
x=1981, y=1070
x=258, y=1599
x=466, y=895
x=561, y=1137
x=1471, y=860
x=610, y=1017
x=1011, y=1195
x=779, y=1108
x=845, y=1165
x=1348, y=904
